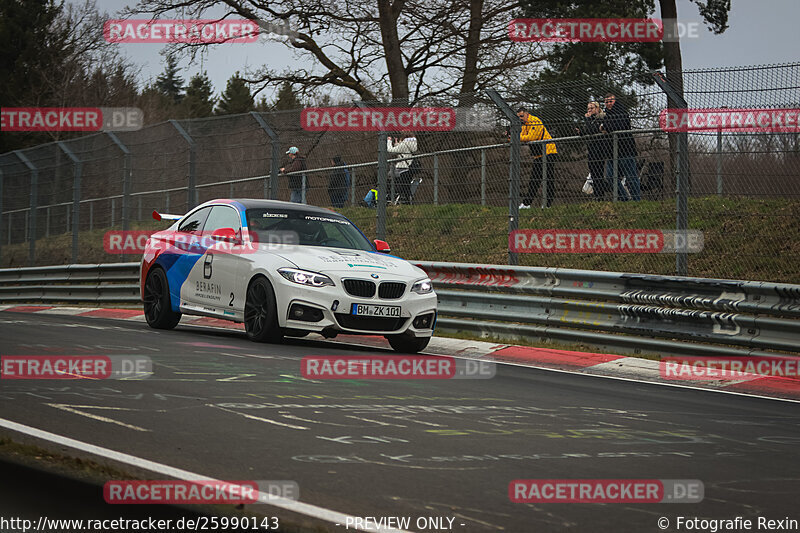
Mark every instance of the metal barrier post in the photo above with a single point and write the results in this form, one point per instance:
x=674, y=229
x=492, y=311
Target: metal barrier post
x=719, y=161
x=483, y=177
x=76, y=196
x=383, y=169
x=126, y=180
x=303, y=191
x=615, y=164
x=191, y=194
x=513, y=166
x=436, y=179
x=271, y=187
x=1, y=214
x=32, y=212
x=544, y=175
x=352, y=186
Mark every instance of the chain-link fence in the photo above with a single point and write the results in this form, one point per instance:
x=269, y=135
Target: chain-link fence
x=741, y=188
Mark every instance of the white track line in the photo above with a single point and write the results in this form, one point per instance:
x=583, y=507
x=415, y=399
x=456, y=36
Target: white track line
x=306, y=509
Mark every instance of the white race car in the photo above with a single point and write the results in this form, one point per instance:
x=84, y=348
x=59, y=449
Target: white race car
x=283, y=269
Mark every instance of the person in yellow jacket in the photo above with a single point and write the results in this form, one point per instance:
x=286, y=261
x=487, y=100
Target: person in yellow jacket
x=534, y=130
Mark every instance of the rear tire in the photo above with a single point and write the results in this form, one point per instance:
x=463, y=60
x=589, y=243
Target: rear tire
x=407, y=344
x=260, y=312
x=157, y=303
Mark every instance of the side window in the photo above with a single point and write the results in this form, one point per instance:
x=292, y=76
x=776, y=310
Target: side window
x=222, y=216
x=194, y=224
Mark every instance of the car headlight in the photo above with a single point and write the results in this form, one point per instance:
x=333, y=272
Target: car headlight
x=423, y=286
x=304, y=277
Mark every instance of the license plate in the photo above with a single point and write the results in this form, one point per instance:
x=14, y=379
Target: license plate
x=375, y=310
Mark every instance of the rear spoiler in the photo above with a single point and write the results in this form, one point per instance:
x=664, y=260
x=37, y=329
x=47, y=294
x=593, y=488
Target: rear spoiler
x=165, y=216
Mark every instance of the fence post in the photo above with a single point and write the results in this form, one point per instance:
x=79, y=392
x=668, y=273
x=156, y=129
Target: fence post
x=126, y=180
x=191, y=195
x=681, y=176
x=436, y=179
x=513, y=166
x=32, y=211
x=271, y=187
x=303, y=190
x=615, y=164
x=113, y=207
x=1, y=215
x=719, y=161
x=483, y=177
x=383, y=170
x=352, y=186
x=77, y=171
x=544, y=175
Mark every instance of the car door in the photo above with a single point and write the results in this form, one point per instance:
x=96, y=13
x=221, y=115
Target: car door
x=215, y=283
x=185, y=250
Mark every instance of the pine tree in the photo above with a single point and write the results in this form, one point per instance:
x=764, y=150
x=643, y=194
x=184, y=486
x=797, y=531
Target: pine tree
x=169, y=83
x=286, y=99
x=199, y=100
x=236, y=98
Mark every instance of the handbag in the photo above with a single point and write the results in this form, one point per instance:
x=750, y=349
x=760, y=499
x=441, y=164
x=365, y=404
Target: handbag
x=588, y=188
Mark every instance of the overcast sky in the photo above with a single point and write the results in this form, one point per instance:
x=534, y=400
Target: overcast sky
x=760, y=32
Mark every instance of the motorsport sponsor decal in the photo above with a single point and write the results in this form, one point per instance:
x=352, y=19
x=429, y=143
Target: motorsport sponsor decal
x=605, y=241
x=714, y=368
x=606, y=491
x=731, y=120
x=75, y=367
x=378, y=119
x=394, y=367
x=71, y=119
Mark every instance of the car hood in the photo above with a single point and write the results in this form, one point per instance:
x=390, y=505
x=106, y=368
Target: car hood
x=342, y=261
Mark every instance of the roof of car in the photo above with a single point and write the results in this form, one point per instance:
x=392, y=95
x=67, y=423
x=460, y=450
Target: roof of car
x=256, y=203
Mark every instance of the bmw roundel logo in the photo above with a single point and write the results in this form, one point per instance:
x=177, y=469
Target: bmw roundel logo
x=374, y=276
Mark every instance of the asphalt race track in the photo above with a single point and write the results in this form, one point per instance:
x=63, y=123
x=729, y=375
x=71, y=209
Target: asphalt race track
x=230, y=409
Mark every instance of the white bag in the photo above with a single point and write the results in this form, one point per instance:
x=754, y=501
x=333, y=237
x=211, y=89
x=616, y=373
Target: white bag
x=587, y=185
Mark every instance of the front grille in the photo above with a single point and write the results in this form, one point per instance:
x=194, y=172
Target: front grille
x=359, y=287
x=370, y=323
x=391, y=290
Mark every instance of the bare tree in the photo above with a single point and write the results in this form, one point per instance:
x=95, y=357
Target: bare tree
x=398, y=50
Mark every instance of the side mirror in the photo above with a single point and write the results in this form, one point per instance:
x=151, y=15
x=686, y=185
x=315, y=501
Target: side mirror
x=225, y=235
x=382, y=246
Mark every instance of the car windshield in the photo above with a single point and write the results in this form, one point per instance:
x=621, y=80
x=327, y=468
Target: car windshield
x=304, y=228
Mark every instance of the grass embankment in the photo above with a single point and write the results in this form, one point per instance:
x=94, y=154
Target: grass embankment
x=745, y=238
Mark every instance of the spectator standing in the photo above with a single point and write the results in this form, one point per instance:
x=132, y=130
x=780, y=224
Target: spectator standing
x=598, y=148
x=297, y=163
x=617, y=119
x=405, y=146
x=534, y=130
x=338, y=182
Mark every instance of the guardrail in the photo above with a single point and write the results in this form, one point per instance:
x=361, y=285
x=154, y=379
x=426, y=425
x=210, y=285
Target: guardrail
x=629, y=312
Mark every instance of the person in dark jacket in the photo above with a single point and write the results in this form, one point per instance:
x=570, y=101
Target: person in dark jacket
x=338, y=182
x=598, y=148
x=297, y=163
x=617, y=119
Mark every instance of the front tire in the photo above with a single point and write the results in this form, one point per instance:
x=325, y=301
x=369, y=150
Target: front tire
x=157, y=304
x=405, y=343
x=260, y=312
